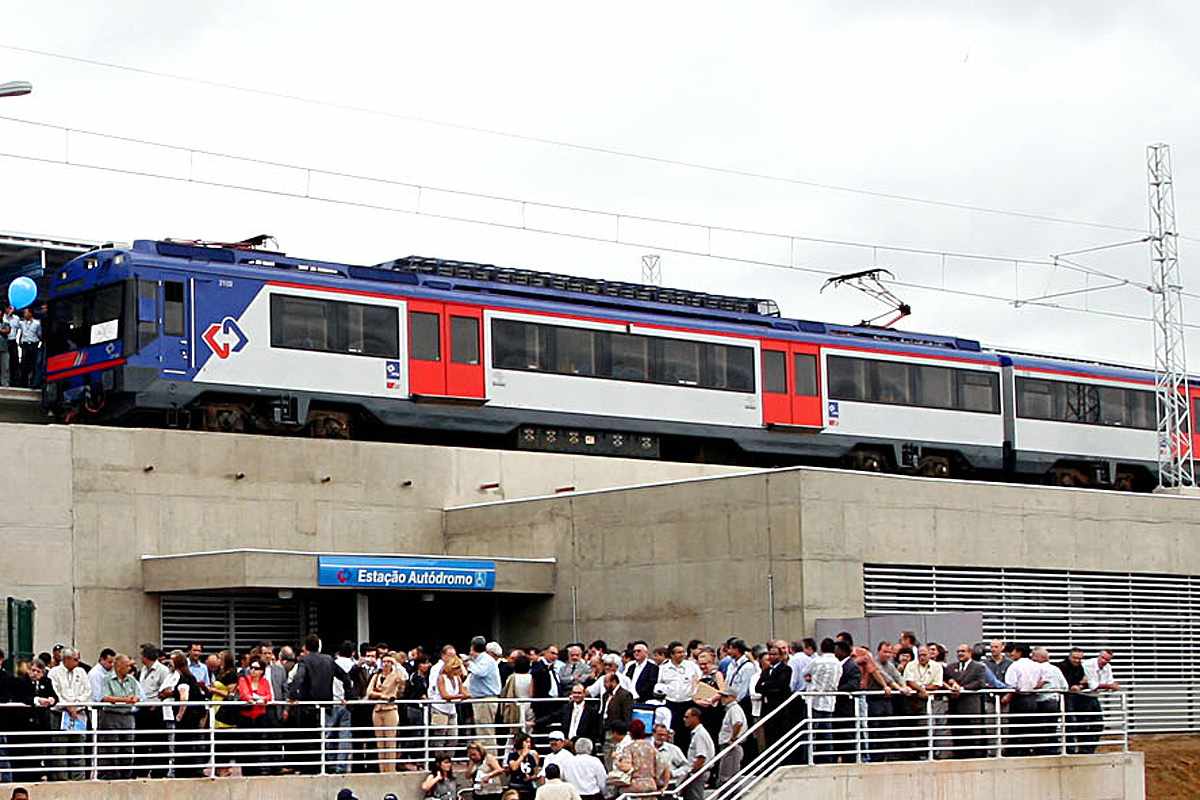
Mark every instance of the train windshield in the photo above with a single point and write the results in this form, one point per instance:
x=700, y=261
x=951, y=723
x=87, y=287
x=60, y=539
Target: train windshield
x=81, y=320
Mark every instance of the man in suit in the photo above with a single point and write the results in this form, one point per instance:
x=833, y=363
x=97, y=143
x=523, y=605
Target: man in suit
x=966, y=710
x=642, y=672
x=361, y=713
x=313, y=681
x=575, y=669
x=544, y=673
x=616, y=704
x=578, y=718
x=775, y=686
x=843, y=706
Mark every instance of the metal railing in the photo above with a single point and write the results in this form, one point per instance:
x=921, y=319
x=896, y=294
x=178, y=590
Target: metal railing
x=203, y=738
x=874, y=727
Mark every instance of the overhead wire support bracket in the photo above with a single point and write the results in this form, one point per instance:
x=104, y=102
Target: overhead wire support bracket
x=869, y=282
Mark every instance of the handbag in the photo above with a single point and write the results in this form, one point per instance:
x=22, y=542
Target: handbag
x=228, y=714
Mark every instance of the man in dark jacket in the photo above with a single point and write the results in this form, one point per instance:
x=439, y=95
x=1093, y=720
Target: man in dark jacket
x=643, y=672
x=843, y=706
x=616, y=704
x=966, y=710
x=365, y=759
x=775, y=686
x=313, y=681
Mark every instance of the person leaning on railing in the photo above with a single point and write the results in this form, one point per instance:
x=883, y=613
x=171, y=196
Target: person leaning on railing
x=122, y=692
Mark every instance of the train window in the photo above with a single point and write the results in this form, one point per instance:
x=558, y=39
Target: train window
x=978, y=391
x=933, y=386
x=147, y=312
x=806, y=374
x=774, y=372
x=518, y=345
x=847, y=378
x=1035, y=399
x=630, y=357
x=425, y=340
x=890, y=383
x=678, y=362
x=327, y=326
x=729, y=368
x=172, y=308
x=574, y=351
x=372, y=330
x=1112, y=407
x=464, y=340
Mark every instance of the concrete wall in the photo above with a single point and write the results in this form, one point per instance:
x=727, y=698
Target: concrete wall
x=1116, y=776
x=694, y=558
x=97, y=499
x=406, y=785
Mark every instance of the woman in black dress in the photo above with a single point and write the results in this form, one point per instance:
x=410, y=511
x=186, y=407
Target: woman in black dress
x=191, y=752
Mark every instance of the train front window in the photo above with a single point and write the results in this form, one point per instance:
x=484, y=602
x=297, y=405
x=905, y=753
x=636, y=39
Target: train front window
x=82, y=320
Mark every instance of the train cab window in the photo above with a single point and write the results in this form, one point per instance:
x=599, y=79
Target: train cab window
x=147, y=312
x=464, y=340
x=679, y=363
x=425, y=341
x=574, y=351
x=806, y=374
x=173, y=308
x=978, y=391
x=630, y=357
x=774, y=372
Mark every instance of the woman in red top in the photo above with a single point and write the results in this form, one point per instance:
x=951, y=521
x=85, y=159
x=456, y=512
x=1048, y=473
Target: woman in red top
x=253, y=688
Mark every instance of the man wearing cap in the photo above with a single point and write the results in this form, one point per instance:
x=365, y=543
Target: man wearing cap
x=555, y=788
x=559, y=754
x=733, y=725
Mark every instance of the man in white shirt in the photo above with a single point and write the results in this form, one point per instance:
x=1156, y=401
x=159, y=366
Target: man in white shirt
x=669, y=753
x=1024, y=726
x=586, y=772
x=152, y=676
x=559, y=754
x=742, y=671
x=555, y=788
x=1099, y=675
x=612, y=666
x=1048, y=702
x=74, y=691
x=677, y=680
x=733, y=725
x=700, y=753
x=803, y=654
x=824, y=673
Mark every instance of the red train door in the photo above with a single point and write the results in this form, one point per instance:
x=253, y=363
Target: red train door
x=426, y=352
x=805, y=383
x=776, y=391
x=464, y=368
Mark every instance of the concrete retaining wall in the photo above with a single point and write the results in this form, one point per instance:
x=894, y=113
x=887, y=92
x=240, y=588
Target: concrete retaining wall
x=406, y=785
x=1118, y=776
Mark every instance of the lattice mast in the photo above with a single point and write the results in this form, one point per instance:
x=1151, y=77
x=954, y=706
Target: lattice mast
x=1175, y=465
x=652, y=270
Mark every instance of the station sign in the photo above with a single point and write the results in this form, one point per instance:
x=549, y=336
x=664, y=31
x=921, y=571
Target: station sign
x=364, y=572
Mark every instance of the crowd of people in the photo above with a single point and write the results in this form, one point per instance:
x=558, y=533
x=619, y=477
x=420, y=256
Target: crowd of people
x=21, y=347
x=637, y=719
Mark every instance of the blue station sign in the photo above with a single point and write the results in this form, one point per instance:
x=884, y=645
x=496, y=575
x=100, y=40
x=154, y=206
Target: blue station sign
x=360, y=572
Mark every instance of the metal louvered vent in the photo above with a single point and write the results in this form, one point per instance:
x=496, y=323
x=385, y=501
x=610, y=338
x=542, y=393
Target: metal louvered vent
x=1152, y=623
x=229, y=623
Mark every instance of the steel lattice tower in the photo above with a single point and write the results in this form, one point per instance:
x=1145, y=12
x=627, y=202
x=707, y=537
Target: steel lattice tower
x=652, y=270
x=1175, y=466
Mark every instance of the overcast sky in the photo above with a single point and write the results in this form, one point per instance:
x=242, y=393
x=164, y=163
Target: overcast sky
x=1025, y=108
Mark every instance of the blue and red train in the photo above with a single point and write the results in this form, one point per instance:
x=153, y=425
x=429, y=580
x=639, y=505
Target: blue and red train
x=232, y=339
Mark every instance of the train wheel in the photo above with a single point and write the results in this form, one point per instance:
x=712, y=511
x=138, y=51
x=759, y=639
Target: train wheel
x=1069, y=476
x=868, y=461
x=935, y=467
x=226, y=418
x=329, y=425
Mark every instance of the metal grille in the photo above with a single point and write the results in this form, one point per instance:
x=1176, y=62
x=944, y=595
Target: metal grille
x=228, y=622
x=1152, y=623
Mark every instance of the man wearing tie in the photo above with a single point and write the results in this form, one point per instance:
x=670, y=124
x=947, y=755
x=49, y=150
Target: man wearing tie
x=544, y=673
x=578, y=718
x=616, y=703
x=643, y=672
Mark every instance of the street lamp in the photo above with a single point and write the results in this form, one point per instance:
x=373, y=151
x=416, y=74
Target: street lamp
x=15, y=88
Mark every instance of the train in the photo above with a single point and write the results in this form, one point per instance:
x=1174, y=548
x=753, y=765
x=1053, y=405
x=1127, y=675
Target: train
x=233, y=338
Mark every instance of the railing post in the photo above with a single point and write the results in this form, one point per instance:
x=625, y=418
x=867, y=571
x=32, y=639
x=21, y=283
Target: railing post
x=94, y=724
x=425, y=730
x=1062, y=716
x=929, y=724
x=321, y=734
x=999, y=729
x=812, y=739
x=860, y=749
x=1124, y=723
x=212, y=738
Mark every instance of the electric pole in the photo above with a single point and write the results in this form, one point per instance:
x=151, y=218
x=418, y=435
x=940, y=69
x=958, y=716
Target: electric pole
x=1173, y=403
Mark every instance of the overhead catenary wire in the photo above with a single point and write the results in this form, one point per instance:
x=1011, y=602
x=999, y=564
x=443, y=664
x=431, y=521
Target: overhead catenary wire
x=577, y=146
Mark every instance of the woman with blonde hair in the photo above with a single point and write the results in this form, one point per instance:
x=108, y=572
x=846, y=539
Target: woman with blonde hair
x=484, y=771
x=443, y=715
x=385, y=686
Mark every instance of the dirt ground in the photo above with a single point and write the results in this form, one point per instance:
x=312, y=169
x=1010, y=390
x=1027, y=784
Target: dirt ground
x=1172, y=765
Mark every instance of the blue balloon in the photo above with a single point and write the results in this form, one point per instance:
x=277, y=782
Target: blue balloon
x=22, y=292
